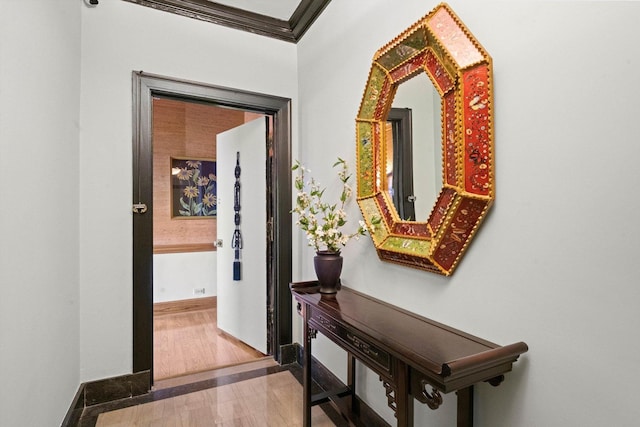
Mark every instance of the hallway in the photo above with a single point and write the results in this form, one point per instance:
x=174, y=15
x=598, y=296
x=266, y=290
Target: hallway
x=189, y=341
x=256, y=394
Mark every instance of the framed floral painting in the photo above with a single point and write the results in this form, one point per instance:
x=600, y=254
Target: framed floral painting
x=193, y=188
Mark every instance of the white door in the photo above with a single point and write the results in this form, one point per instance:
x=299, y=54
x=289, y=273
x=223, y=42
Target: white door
x=242, y=304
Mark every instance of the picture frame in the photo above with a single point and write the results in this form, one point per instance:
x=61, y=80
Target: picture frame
x=193, y=188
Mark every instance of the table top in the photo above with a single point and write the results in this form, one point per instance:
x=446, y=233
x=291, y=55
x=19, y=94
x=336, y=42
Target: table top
x=442, y=353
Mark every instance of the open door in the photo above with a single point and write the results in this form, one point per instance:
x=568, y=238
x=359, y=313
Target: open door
x=242, y=304
x=145, y=87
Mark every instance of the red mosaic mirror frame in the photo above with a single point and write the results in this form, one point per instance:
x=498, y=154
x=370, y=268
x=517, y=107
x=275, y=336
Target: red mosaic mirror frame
x=461, y=71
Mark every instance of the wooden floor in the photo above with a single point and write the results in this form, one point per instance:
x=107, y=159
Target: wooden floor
x=252, y=394
x=188, y=342
x=206, y=378
x=269, y=400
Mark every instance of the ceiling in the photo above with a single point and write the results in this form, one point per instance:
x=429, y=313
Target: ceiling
x=280, y=9
x=286, y=20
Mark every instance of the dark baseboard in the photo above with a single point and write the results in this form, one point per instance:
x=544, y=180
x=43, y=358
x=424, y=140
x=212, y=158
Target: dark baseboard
x=115, y=388
x=289, y=353
x=106, y=390
x=75, y=410
x=87, y=416
x=95, y=396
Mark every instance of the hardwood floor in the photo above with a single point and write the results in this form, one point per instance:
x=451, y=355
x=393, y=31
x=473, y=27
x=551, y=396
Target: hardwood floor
x=206, y=378
x=260, y=393
x=189, y=341
x=269, y=400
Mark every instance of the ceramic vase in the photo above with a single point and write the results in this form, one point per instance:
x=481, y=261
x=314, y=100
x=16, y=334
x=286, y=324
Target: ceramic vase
x=328, y=266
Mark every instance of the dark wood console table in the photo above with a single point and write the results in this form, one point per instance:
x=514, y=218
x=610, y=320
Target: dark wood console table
x=409, y=352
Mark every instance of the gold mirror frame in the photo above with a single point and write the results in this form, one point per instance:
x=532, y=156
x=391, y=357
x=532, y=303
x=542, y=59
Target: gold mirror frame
x=461, y=71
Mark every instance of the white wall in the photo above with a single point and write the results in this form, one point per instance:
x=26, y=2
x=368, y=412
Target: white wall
x=118, y=37
x=555, y=263
x=548, y=267
x=177, y=275
x=39, y=110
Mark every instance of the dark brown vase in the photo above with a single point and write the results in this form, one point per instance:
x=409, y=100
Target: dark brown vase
x=328, y=267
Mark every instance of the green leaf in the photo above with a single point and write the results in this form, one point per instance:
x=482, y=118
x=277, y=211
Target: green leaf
x=198, y=208
x=184, y=204
x=184, y=213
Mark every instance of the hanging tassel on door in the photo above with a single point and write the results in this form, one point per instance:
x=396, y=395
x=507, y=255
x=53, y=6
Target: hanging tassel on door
x=236, y=240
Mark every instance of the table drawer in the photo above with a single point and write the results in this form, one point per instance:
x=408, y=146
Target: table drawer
x=352, y=341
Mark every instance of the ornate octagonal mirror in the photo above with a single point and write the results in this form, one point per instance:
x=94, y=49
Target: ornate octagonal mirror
x=461, y=72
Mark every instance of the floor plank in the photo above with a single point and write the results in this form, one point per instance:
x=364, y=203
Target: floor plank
x=189, y=342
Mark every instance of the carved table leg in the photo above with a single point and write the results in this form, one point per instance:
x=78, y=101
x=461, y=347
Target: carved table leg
x=404, y=401
x=309, y=334
x=465, y=407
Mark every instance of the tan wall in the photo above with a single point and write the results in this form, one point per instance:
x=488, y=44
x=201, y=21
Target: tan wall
x=183, y=129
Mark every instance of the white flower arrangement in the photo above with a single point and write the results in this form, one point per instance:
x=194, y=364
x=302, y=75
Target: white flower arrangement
x=321, y=221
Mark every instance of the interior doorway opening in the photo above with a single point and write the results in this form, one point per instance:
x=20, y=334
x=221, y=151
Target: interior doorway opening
x=188, y=336
x=148, y=87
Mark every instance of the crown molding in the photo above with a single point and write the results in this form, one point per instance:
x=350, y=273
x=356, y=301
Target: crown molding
x=291, y=31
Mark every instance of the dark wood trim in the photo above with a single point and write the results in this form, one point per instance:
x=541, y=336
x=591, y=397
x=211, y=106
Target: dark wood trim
x=291, y=31
x=146, y=86
x=180, y=306
x=305, y=14
x=282, y=233
x=142, y=227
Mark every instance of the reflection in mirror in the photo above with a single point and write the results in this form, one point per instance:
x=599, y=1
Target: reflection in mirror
x=414, y=155
x=398, y=162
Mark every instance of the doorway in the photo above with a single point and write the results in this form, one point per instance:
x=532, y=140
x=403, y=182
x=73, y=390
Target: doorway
x=278, y=263
x=195, y=301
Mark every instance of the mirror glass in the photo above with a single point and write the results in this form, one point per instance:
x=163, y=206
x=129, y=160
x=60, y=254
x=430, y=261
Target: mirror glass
x=414, y=155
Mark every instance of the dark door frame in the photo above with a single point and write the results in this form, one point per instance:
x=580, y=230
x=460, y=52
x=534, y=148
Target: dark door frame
x=145, y=87
x=403, y=194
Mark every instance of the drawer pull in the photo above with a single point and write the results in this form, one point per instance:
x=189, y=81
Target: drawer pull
x=363, y=346
x=327, y=323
